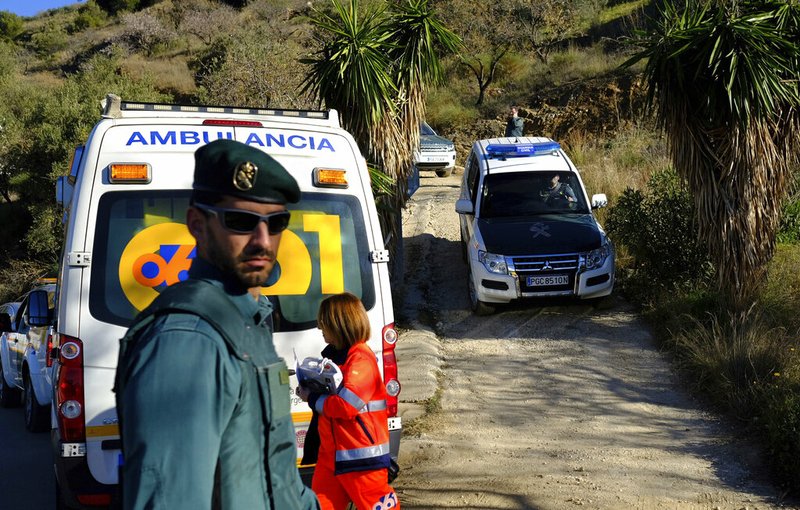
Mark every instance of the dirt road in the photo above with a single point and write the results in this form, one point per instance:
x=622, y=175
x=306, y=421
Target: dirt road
x=553, y=407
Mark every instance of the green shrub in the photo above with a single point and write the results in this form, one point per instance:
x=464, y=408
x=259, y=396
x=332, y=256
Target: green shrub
x=789, y=231
x=780, y=297
x=50, y=40
x=11, y=25
x=729, y=357
x=116, y=6
x=781, y=424
x=250, y=71
x=48, y=125
x=90, y=15
x=656, y=227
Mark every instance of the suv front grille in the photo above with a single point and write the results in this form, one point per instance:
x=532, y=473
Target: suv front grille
x=546, y=265
x=434, y=147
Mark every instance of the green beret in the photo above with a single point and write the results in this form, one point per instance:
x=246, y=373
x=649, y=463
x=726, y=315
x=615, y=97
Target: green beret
x=232, y=168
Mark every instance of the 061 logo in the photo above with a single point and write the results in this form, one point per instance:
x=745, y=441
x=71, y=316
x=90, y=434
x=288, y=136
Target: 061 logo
x=160, y=255
x=386, y=502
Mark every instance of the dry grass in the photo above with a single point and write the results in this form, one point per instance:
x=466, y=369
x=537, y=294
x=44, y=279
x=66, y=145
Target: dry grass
x=582, y=63
x=781, y=294
x=627, y=160
x=173, y=73
x=731, y=357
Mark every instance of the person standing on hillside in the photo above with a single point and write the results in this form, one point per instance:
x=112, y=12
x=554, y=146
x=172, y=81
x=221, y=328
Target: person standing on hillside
x=202, y=396
x=514, y=124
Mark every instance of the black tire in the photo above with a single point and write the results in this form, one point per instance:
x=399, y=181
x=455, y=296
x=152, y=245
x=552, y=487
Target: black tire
x=444, y=173
x=37, y=416
x=9, y=397
x=60, y=504
x=477, y=306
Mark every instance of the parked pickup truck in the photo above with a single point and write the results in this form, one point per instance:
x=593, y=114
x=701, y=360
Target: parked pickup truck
x=25, y=364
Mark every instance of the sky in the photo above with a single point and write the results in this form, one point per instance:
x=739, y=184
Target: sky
x=32, y=7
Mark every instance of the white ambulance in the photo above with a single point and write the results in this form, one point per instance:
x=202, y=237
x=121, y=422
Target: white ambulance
x=124, y=210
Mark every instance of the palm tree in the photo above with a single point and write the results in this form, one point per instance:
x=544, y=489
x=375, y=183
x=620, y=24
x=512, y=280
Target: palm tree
x=722, y=78
x=374, y=66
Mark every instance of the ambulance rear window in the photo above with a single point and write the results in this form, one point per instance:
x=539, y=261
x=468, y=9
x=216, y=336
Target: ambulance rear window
x=142, y=245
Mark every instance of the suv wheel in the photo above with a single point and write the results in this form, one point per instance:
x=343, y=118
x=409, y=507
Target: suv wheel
x=37, y=417
x=478, y=307
x=9, y=397
x=444, y=172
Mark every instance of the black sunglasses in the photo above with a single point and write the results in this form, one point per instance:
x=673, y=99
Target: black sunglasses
x=244, y=222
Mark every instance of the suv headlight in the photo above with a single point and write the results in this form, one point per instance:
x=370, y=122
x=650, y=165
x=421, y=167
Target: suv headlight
x=597, y=257
x=493, y=263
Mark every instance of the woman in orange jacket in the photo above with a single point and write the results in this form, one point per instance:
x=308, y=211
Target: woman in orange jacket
x=353, y=424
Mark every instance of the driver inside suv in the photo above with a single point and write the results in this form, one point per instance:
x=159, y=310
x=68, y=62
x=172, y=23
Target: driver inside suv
x=558, y=194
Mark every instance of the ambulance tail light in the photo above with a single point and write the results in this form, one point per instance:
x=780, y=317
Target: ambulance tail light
x=69, y=391
x=390, y=368
x=99, y=500
x=49, y=348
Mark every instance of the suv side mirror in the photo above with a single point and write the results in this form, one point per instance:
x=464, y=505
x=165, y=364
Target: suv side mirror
x=599, y=201
x=5, y=323
x=38, y=312
x=464, y=206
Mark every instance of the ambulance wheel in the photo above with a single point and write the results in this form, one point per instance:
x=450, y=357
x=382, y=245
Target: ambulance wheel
x=444, y=173
x=477, y=306
x=9, y=397
x=60, y=503
x=37, y=417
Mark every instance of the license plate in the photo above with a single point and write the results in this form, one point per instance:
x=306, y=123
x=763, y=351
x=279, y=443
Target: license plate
x=546, y=281
x=435, y=159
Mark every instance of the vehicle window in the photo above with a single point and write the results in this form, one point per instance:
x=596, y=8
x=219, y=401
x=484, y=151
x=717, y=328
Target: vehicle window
x=531, y=193
x=425, y=129
x=145, y=246
x=472, y=176
x=19, y=320
x=5, y=320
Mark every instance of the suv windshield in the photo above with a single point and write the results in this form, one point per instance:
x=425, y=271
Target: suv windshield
x=530, y=194
x=425, y=129
x=146, y=246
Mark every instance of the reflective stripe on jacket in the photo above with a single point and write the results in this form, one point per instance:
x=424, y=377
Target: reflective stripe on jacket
x=353, y=426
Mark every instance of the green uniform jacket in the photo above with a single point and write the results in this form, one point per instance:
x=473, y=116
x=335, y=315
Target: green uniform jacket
x=205, y=420
x=514, y=126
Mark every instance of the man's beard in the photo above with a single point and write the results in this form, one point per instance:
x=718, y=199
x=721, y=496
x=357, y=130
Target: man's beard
x=230, y=264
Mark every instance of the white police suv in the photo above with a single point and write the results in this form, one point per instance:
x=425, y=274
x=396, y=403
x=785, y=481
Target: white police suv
x=527, y=227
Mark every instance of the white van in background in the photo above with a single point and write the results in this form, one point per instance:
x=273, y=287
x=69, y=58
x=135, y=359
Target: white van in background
x=125, y=202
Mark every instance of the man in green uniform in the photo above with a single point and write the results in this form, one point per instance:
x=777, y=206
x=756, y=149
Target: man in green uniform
x=202, y=396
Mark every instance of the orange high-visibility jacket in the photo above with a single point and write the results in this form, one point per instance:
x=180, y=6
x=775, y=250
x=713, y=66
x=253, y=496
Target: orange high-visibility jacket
x=353, y=424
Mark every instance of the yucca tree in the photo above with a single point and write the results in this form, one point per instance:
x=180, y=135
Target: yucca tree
x=374, y=65
x=417, y=38
x=722, y=78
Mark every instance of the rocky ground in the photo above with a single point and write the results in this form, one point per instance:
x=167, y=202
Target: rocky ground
x=547, y=407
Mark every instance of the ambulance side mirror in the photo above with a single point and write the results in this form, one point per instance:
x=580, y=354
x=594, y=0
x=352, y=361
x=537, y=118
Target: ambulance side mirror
x=38, y=312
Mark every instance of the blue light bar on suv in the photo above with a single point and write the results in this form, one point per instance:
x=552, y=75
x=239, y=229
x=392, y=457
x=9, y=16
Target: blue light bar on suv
x=523, y=150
